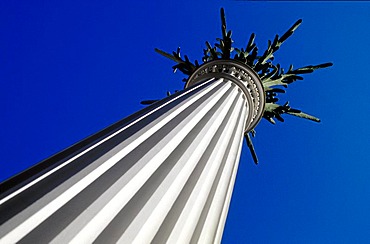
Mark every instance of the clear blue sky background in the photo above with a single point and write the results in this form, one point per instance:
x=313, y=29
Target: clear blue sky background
x=71, y=68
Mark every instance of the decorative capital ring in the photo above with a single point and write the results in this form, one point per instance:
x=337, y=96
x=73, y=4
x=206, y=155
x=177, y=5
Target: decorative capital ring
x=240, y=74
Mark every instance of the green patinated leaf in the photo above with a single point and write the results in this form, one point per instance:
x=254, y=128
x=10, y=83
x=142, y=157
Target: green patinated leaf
x=184, y=66
x=309, y=68
x=269, y=107
x=269, y=75
x=289, y=32
x=250, y=44
x=212, y=51
x=305, y=116
x=251, y=148
x=271, y=83
x=167, y=55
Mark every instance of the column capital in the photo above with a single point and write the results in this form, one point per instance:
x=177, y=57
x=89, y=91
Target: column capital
x=240, y=74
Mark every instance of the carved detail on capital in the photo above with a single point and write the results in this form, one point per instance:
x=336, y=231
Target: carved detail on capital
x=240, y=74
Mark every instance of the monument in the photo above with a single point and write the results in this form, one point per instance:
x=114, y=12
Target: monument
x=164, y=174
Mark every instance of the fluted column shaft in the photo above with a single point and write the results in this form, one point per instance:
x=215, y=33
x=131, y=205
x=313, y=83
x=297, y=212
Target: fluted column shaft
x=165, y=174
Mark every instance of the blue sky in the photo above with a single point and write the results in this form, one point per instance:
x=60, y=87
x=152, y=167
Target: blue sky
x=71, y=68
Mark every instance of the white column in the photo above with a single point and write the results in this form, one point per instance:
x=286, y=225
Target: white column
x=163, y=175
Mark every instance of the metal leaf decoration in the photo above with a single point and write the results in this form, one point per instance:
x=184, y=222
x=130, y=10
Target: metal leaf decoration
x=273, y=77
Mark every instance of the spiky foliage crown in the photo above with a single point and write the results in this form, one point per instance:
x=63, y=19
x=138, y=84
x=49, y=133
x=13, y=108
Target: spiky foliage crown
x=273, y=77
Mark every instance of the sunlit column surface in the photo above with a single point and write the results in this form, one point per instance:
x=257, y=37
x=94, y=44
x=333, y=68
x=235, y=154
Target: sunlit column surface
x=164, y=174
